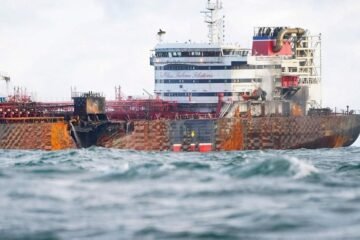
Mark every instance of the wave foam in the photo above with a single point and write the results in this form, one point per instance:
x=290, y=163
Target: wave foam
x=302, y=168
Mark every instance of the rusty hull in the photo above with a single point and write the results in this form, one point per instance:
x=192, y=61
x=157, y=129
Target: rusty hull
x=36, y=136
x=225, y=134
x=230, y=134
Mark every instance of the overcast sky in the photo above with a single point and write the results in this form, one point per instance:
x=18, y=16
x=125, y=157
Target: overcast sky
x=49, y=46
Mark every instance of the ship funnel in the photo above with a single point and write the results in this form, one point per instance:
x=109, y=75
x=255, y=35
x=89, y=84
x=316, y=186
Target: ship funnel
x=285, y=32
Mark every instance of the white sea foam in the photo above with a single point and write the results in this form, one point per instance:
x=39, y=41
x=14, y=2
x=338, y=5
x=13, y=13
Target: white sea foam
x=301, y=168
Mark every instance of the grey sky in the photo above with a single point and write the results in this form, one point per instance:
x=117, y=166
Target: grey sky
x=48, y=46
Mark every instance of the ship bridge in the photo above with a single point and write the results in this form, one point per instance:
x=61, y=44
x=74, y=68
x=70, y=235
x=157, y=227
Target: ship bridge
x=197, y=53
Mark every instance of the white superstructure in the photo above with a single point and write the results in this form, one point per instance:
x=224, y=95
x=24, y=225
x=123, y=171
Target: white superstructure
x=199, y=73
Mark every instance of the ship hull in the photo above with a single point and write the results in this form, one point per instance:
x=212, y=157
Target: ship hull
x=225, y=134
x=232, y=134
x=36, y=136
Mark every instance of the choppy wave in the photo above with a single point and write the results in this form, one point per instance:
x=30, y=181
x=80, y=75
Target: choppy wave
x=114, y=194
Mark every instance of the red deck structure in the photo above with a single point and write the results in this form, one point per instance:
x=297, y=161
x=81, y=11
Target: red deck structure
x=130, y=109
x=34, y=109
x=134, y=109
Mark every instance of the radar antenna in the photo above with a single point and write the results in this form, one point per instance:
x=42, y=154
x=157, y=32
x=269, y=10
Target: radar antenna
x=160, y=35
x=6, y=78
x=215, y=21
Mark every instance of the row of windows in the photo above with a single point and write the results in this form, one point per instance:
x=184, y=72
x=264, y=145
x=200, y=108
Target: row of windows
x=225, y=52
x=235, y=52
x=188, y=54
x=204, y=94
x=183, y=67
x=175, y=81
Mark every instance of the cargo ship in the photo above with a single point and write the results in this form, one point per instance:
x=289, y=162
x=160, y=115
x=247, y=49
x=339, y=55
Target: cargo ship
x=208, y=96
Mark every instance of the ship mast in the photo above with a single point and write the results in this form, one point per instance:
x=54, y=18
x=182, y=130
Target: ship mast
x=215, y=21
x=7, y=80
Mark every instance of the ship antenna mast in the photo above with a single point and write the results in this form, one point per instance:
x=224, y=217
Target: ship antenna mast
x=6, y=78
x=215, y=21
x=160, y=35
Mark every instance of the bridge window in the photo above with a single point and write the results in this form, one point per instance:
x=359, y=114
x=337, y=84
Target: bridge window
x=211, y=54
x=162, y=54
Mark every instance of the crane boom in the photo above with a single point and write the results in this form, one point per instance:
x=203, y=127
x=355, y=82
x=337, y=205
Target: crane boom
x=150, y=95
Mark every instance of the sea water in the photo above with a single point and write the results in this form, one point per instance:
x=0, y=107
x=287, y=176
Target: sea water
x=101, y=193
